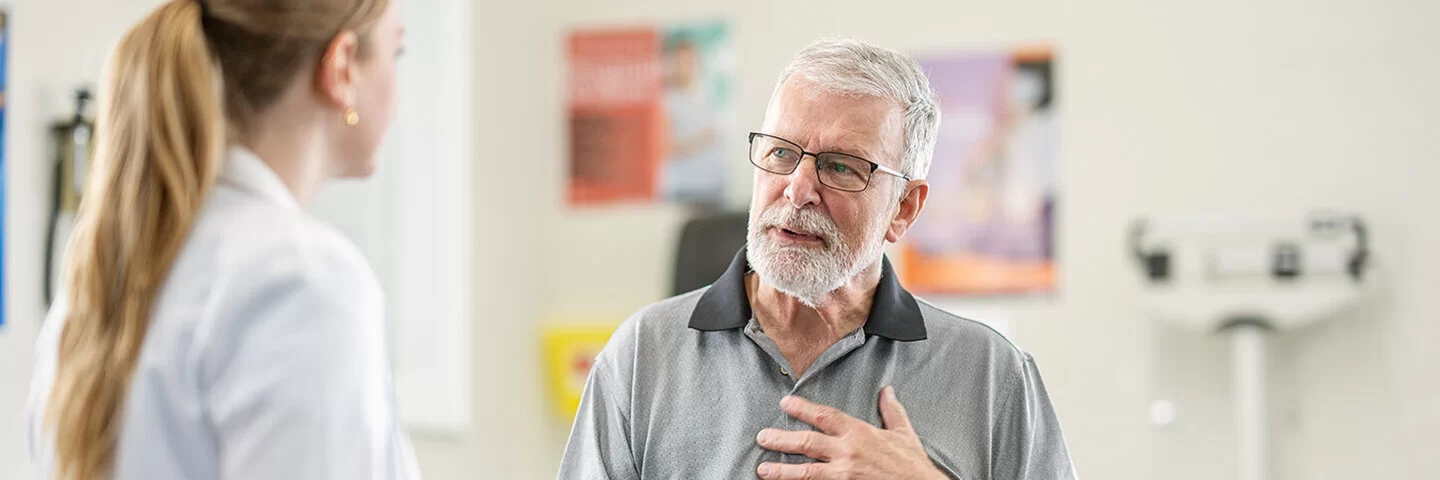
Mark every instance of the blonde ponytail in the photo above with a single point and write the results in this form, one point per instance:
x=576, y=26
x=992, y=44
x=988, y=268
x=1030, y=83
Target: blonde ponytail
x=159, y=137
x=175, y=86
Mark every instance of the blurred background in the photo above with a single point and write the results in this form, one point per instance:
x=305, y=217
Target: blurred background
x=549, y=155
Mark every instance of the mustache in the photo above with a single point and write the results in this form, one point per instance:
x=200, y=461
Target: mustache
x=804, y=220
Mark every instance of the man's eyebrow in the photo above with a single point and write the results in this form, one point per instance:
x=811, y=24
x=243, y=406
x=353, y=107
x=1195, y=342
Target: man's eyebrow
x=848, y=149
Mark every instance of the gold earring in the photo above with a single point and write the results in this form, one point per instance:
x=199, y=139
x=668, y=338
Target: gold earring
x=352, y=117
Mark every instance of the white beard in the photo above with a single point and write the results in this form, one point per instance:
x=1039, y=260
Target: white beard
x=807, y=274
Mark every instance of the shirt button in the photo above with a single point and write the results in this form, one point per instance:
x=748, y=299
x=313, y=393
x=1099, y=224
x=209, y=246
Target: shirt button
x=783, y=372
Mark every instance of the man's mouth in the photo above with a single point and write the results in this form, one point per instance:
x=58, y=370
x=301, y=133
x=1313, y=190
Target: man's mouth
x=798, y=236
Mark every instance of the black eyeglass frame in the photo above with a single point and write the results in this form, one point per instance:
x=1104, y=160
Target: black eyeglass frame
x=874, y=167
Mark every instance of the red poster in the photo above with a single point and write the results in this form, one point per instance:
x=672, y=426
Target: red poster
x=616, y=120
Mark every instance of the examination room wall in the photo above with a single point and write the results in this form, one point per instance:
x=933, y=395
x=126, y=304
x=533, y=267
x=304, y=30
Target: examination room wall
x=1229, y=106
x=1197, y=107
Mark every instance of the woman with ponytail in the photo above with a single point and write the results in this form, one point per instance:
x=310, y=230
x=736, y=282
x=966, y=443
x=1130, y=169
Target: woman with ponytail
x=207, y=327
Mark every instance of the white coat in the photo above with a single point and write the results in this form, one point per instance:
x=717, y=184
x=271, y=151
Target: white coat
x=266, y=355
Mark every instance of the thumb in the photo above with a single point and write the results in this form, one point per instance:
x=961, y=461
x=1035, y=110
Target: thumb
x=892, y=412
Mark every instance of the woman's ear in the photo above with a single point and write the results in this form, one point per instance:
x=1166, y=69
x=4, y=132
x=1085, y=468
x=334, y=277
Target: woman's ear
x=337, y=72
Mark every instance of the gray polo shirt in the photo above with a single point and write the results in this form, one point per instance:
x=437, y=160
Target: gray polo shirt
x=684, y=385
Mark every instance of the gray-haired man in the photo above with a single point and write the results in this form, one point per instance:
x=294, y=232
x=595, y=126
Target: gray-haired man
x=789, y=366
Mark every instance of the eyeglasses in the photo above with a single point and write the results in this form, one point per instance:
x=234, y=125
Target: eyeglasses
x=836, y=170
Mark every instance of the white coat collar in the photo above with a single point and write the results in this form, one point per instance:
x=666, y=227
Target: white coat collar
x=246, y=171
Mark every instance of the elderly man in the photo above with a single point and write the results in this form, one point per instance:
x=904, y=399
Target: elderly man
x=791, y=365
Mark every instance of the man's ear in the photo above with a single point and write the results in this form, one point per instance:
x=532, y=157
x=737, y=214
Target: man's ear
x=916, y=191
x=338, y=71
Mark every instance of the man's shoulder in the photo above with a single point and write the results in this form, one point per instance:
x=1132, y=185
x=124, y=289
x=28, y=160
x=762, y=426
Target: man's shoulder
x=673, y=310
x=656, y=322
x=958, y=335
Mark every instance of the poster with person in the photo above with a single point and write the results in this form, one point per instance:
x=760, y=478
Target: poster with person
x=650, y=116
x=990, y=216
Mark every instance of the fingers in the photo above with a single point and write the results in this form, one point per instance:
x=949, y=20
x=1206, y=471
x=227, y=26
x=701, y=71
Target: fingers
x=828, y=420
x=892, y=412
x=788, y=471
x=812, y=444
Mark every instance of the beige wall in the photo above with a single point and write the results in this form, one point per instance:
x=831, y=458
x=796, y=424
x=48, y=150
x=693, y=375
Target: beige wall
x=510, y=437
x=1165, y=107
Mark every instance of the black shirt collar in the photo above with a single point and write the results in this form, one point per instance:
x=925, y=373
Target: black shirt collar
x=894, y=313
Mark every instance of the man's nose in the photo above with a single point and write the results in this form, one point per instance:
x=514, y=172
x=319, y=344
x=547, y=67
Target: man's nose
x=803, y=185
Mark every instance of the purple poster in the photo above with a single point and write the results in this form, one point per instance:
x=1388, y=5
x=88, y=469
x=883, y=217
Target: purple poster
x=989, y=220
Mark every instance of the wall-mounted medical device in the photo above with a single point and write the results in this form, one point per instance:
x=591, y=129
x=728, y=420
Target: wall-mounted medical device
x=72, y=140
